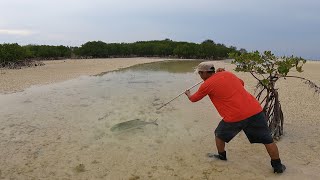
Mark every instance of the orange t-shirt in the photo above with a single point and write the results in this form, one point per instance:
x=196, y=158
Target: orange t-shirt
x=228, y=95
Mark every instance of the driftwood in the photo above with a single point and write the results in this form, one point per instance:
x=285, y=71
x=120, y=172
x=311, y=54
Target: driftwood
x=21, y=64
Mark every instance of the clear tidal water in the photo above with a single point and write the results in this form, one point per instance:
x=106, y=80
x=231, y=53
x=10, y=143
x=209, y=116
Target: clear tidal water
x=122, y=95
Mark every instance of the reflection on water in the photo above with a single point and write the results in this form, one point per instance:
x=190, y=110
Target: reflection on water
x=69, y=123
x=167, y=66
x=172, y=66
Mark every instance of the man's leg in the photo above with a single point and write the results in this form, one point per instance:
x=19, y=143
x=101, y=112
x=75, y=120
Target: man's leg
x=272, y=150
x=224, y=133
x=222, y=154
x=220, y=145
x=258, y=131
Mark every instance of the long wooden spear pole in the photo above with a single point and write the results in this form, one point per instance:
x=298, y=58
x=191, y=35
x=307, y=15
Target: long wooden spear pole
x=178, y=95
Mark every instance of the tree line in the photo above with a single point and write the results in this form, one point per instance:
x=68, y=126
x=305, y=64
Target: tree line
x=14, y=53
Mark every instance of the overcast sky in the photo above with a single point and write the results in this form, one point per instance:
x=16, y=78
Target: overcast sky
x=287, y=27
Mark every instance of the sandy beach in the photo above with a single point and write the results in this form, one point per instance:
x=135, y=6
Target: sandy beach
x=56, y=148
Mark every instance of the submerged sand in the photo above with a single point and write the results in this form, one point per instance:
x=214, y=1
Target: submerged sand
x=60, y=149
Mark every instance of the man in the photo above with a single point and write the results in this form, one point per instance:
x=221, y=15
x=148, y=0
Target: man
x=239, y=110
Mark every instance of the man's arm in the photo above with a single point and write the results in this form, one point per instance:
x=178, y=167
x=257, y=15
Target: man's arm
x=222, y=69
x=198, y=95
x=201, y=92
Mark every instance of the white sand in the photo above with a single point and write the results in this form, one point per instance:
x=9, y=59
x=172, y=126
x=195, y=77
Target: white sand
x=58, y=147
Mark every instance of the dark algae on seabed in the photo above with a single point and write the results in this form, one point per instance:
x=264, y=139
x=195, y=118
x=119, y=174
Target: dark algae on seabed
x=131, y=124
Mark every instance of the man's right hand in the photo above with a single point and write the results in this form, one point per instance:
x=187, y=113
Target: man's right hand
x=187, y=92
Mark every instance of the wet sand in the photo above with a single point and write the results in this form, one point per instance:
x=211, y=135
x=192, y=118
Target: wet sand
x=56, y=148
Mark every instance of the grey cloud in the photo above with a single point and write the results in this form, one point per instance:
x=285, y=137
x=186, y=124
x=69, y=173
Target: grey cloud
x=286, y=26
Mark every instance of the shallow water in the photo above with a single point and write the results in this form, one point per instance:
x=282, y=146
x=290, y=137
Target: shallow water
x=123, y=94
x=64, y=125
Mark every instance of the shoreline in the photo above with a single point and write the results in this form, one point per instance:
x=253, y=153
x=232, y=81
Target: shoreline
x=17, y=80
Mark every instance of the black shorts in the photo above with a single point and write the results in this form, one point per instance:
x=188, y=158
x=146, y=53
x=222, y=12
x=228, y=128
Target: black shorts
x=255, y=128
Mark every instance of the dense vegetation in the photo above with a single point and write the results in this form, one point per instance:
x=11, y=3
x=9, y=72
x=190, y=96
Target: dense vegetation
x=16, y=54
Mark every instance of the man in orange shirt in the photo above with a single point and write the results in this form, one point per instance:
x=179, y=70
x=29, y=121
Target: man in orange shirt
x=239, y=111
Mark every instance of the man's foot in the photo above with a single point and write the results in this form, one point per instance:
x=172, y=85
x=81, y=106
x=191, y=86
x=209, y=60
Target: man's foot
x=221, y=156
x=278, y=167
x=279, y=170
